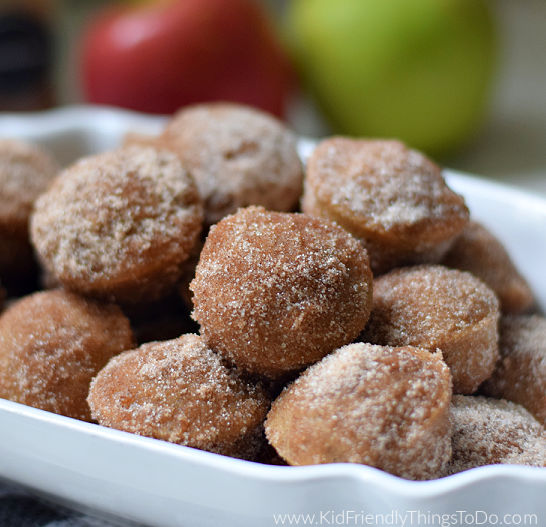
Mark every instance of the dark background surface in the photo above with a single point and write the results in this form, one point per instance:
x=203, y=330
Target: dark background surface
x=19, y=508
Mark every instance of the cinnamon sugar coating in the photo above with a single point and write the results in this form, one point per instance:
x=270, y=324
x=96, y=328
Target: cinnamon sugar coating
x=520, y=374
x=380, y=406
x=52, y=344
x=275, y=292
x=490, y=431
x=180, y=391
x=476, y=250
x=433, y=307
x=238, y=156
x=25, y=172
x=119, y=225
x=393, y=199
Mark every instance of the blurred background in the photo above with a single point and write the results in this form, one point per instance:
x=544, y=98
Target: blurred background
x=464, y=80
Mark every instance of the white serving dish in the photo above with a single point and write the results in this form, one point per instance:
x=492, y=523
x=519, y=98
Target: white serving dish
x=159, y=484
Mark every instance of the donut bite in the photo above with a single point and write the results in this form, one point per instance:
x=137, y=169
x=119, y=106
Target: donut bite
x=381, y=406
x=25, y=172
x=52, y=344
x=520, y=374
x=489, y=431
x=238, y=155
x=181, y=391
x=477, y=251
x=119, y=225
x=274, y=292
x=434, y=307
x=393, y=199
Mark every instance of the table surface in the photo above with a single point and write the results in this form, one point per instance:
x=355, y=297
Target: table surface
x=19, y=508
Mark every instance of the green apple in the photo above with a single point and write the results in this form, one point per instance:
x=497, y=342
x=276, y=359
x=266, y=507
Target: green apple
x=418, y=70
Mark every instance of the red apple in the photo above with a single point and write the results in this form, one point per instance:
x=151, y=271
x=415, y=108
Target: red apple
x=158, y=57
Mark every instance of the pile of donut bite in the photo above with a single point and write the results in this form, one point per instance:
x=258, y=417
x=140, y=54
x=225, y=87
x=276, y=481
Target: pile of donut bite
x=205, y=288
